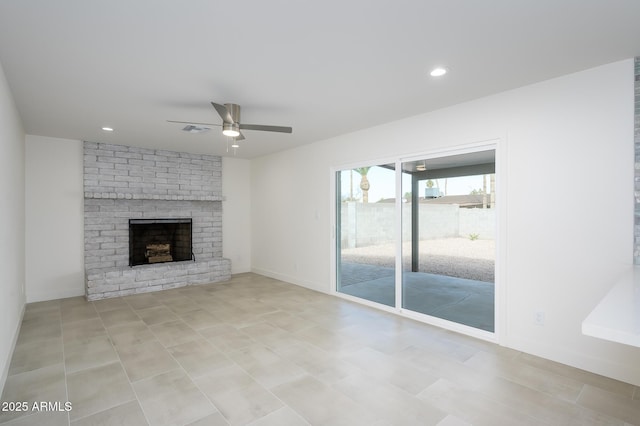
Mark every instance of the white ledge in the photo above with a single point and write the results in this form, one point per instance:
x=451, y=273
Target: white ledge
x=617, y=316
x=128, y=196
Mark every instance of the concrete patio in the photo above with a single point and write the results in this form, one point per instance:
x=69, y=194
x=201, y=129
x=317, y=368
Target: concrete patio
x=455, y=280
x=468, y=302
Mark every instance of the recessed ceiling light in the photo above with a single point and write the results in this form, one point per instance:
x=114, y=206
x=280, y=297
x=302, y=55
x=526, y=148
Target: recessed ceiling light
x=438, y=72
x=107, y=129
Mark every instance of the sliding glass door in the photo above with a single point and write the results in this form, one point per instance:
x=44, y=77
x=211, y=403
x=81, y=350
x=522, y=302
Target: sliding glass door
x=365, y=233
x=443, y=207
x=448, y=239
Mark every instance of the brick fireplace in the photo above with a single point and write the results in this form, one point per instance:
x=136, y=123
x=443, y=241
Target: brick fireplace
x=124, y=184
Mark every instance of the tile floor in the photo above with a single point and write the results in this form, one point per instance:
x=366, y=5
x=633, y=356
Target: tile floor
x=259, y=351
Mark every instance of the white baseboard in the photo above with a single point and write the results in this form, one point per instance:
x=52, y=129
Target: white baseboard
x=63, y=294
x=240, y=269
x=627, y=372
x=290, y=279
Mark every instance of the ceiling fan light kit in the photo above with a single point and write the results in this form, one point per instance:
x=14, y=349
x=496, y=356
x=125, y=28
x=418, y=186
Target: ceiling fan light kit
x=231, y=129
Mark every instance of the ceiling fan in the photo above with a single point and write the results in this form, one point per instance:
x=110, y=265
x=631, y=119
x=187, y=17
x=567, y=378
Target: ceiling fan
x=231, y=125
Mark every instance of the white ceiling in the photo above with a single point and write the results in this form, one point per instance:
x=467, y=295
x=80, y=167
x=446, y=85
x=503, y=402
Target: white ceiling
x=324, y=67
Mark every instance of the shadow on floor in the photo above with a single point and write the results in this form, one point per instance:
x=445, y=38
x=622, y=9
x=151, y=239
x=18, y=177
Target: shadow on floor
x=460, y=300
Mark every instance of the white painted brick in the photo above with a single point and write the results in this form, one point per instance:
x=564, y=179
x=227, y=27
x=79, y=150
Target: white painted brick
x=146, y=290
x=154, y=157
x=108, y=159
x=173, y=285
x=110, y=147
x=135, y=149
x=142, y=163
x=168, y=165
x=103, y=165
x=129, y=284
x=149, y=167
x=167, y=186
x=99, y=227
x=168, y=175
x=128, y=154
x=157, y=180
x=167, y=154
x=115, y=233
x=119, y=184
x=113, y=245
x=155, y=169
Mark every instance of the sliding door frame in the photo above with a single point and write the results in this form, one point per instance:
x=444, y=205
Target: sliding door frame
x=334, y=233
x=500, y=259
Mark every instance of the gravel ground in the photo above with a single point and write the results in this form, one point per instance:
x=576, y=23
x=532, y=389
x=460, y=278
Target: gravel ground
x=454, y=257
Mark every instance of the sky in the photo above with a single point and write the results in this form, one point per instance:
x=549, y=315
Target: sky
x=382, y=184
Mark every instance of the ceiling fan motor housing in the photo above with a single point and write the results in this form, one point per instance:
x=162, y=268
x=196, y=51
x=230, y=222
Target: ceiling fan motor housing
x=234, y=112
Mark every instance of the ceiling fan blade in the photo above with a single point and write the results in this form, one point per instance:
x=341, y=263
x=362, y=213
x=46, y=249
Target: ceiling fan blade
x=223, y=112
x=265, y=128
x=240, y=137
x=192, y=122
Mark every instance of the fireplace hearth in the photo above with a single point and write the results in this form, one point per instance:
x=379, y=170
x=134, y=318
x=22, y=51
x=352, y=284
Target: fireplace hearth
x=159, y=241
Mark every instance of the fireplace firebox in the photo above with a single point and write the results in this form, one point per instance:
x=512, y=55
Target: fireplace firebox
x=159, y=241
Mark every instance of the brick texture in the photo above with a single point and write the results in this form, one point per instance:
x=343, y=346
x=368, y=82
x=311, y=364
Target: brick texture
x=122, y=183
x=123, y=172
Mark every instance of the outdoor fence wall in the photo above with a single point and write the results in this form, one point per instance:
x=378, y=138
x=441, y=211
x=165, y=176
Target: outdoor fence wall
x=367, y=224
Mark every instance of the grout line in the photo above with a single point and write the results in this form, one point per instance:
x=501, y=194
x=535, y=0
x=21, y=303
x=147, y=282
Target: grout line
x=98, y=366
x=137, y=398
x=183, y=369
x=577, y=401
x=226, y=355
x=172, y=357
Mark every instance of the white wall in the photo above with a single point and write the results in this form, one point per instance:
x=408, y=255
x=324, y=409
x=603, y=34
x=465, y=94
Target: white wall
x=290, y=216
x=566, y=147
x=54, y=218
x=236, y=210
x=12, y=255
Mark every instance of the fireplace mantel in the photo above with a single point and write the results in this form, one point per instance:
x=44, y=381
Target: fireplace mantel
x=129, y=196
